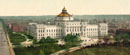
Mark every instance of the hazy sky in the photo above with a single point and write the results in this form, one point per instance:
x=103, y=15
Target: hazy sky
x=54, y=7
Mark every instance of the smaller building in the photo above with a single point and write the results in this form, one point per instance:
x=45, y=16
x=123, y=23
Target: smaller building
x=17, y=28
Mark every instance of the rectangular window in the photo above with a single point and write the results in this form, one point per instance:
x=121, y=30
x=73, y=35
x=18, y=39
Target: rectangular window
x=54, y=30
x=39, y=31
x=47, y=30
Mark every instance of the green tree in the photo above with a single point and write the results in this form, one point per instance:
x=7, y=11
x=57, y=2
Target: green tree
x=42, y=41
x=72, y=40
x=47, y=40
x=35, y=41
x=41, y=52
x=122, y=38
x=50, y=40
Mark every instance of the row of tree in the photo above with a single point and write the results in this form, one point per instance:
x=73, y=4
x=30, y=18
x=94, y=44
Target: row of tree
x=74, y=40
x=70, y=40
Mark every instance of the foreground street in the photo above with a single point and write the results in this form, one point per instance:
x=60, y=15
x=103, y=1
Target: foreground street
x=4, y=47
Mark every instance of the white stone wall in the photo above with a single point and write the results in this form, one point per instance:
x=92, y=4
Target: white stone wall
x=64, y=18
x=74, y=27
x=90, y=30
x=66, y=25
x=103, y=29
x=52, y=31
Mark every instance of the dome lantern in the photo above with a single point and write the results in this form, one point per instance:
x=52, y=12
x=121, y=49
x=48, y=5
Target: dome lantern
x=64, y=13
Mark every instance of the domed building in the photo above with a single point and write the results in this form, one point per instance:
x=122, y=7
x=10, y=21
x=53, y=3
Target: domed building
x=65, y=24
x=64, y=16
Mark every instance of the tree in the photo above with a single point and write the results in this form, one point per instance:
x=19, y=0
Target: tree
x=42, y=40
x=122, y=38
x=41, y=52
x=47, y=40
x=35, y=41
x=50, y=40
x=72, y=40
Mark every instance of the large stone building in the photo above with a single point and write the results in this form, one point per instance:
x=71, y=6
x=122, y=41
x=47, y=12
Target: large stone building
x=65, y=24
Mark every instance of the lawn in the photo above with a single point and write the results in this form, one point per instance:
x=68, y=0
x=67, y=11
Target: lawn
x=103, y=50
x=96, y=50
x=45, y=49
x=16, y=39
x=29, y=36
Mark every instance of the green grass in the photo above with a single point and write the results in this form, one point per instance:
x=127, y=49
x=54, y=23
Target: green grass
x=45, y=49
x=29, y=36
x=103, y=50
x=16, y=39
x=97, y=50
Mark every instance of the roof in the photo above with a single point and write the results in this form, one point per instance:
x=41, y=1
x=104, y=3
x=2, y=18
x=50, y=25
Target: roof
x=64, y=13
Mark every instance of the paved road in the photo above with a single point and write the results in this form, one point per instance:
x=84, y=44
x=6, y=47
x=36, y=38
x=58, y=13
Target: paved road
x=4, y=48
x=72, y=49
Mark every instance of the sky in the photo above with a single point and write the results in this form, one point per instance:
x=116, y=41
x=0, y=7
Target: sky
x=54, y=7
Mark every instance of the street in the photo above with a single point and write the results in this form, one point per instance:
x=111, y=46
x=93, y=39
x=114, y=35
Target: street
x=4, y=47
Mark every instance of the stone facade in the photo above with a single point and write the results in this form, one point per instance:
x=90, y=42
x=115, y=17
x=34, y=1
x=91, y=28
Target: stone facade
x=65, y=24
